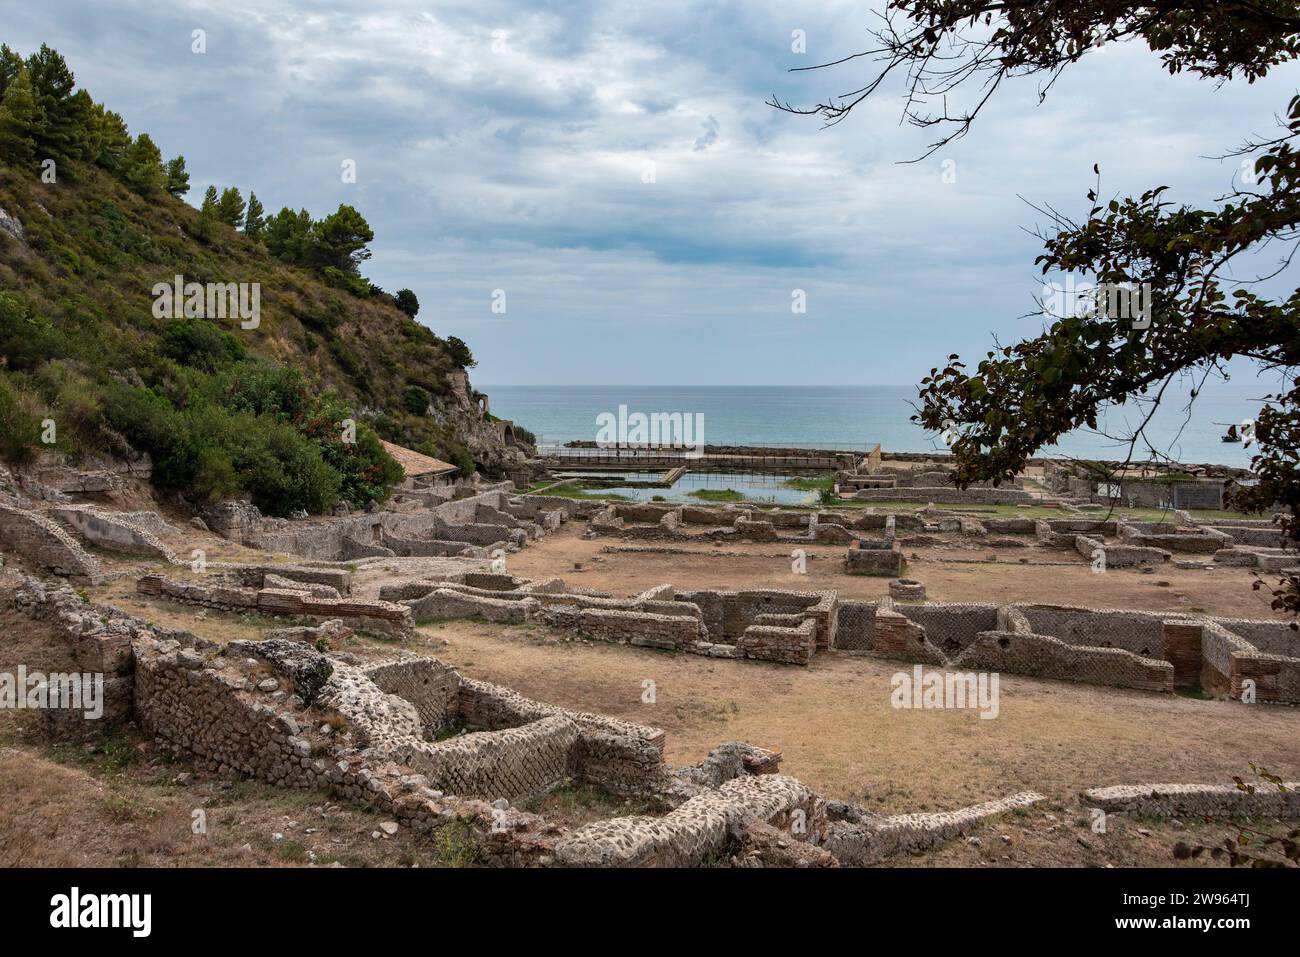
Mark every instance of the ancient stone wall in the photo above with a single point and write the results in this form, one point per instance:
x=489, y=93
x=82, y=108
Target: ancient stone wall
x=37, y=539
x=113, y=531
x=1192, y=801
x=699, y=828
x=1042, y=656
x=856, y=625
x=947, y=495
x=951, y=627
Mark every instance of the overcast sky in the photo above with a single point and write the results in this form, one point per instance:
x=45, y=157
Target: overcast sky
x=504, y=145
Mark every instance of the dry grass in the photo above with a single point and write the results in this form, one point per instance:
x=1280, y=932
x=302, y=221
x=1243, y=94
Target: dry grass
x=837, y=730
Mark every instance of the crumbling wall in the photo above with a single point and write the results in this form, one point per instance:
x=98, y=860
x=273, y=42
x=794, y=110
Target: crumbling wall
x=698, y=829
x=114, y=532
x=37, y=539
x=1197, y=800
x=951, y=627
x=1139, y=632
x=428, y=684
x=1042, y=656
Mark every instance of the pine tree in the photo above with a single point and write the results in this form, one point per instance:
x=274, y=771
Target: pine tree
x=206, y=225
x=142, y=168
x=18, y=121
x=339, y=240
x=110, y=139
x=61, y=133
x=85, y=112
x=177, y=179
x=230, y=208
x=288, y=235
x=10, y=64
x=254, y=221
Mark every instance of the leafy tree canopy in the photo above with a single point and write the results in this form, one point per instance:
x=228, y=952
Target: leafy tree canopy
x=1017, y=399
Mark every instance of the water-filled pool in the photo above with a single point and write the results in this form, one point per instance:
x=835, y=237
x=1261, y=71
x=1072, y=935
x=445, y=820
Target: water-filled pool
x=762, y=488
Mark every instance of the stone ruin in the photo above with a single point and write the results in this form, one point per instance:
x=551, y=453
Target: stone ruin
x=474, y=521
x=1151, y=651
x=763, y=624
x=879, y=557
x=414, y=738
x=872, y=480
x=411, y=737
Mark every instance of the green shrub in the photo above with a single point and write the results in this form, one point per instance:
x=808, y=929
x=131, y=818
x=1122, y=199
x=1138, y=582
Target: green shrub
x=197, y=342
x=415, y=399
x=20, y=428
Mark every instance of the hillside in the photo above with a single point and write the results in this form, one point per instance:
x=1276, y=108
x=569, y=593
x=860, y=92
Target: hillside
x=92, y=365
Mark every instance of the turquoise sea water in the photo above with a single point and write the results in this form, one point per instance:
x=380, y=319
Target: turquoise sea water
x=850, y=417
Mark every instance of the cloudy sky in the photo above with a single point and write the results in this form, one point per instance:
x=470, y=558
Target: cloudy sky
x=505, y=145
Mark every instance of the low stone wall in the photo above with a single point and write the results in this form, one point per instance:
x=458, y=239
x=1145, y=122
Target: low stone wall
x=619, y=756
x=37, y=539
x=788, y=645
x=512, y=763
x=862, y=838
x=443, y=603
x=947, y=495
x=669, y=632
x=1197, y=800
x=432, y=687
x=951, y=626
x=1119, y=556
x=381, y=616
x=727, y=614
x=253, y=576
x=880, y=559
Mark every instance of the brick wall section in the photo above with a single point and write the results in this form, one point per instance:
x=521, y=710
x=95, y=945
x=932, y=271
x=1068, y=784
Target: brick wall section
x=1182, y=649
x=430, y=685
x=1042, y=656
x=901, y=639
x=1277, y=678
x=791, y=646
x=855, y=625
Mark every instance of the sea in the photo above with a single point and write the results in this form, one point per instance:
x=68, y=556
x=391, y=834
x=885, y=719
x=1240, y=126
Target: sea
x=857, y=417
